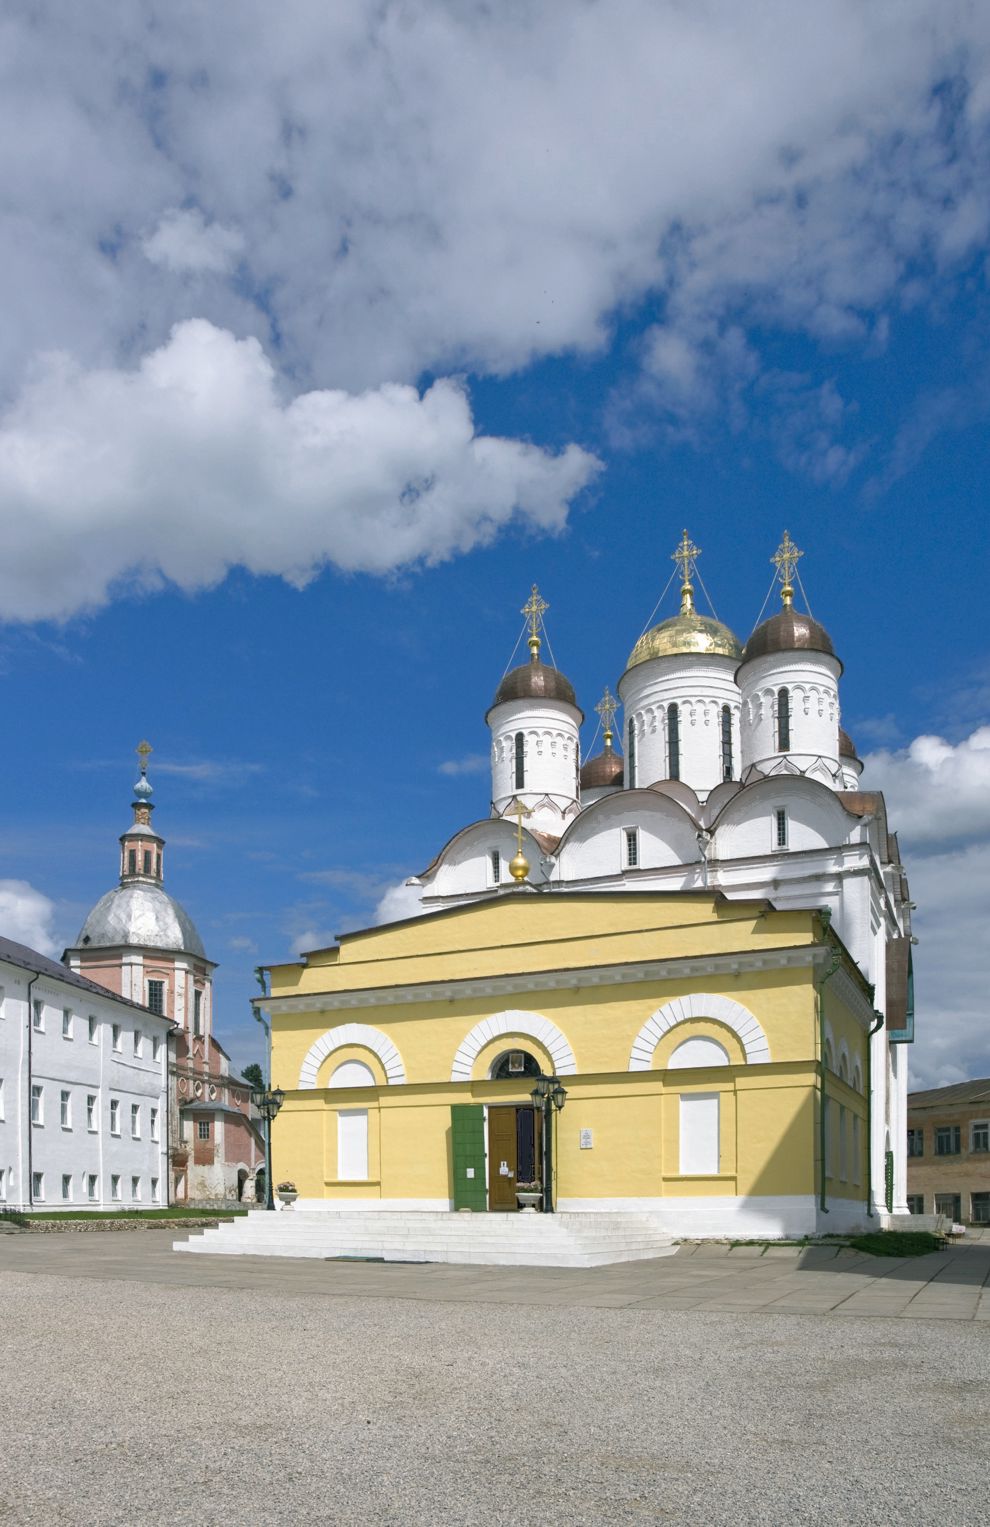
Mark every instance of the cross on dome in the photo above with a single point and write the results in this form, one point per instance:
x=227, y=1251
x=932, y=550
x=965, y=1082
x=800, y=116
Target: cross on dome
x=785, y=560
x=534, y=609
x=686, y=555
x=606, y=708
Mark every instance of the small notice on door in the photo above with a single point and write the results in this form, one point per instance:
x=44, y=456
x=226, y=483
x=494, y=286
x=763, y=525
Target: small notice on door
x=503, y=1169
x=469, y=1171
x=586, y=1139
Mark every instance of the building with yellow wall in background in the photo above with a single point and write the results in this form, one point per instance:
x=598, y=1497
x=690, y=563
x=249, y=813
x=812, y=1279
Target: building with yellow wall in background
x=702, y=949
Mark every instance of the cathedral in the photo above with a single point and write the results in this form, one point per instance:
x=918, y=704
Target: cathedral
x=140, y=943
x=697, y=939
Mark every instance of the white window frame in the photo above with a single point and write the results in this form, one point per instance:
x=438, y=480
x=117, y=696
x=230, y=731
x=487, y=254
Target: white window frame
x=37, y=1187
x=138, y=1044
x=115, y=1117
x=67, y=1023
x=135, y=1190
x=93, y=1029
x=65, y=1108
x=984, y=1126
x=116, y=1039
x=37, y=1113
x=115, y=1187
x=92, y=1188
x=780, y=829
x=135, y=1121
x=67, y=1187
x=494, y=867
x=630, y=841
x=153, y=1125
x=3, y=1185
x=93, y=1112
x=156, y=1047
x=156, y=1196
x=202, y=1124
x=38, y=1015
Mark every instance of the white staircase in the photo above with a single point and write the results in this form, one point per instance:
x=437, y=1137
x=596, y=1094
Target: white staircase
x=503, y=1240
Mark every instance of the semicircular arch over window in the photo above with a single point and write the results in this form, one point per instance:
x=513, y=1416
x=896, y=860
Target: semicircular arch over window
x=352, y=1034
x=513, y=1021
x=699, y=1051
x=700, y=1005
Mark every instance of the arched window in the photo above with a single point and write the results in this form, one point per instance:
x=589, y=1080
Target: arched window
x=783, y=720
x=673, y=743
x=353, y=1073
x=520, y=762
x=726, y=742
x=631, y=753
x=699, y=1051
x=512, y=1064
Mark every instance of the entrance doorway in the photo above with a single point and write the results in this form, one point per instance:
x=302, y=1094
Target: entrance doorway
x=513, y=1153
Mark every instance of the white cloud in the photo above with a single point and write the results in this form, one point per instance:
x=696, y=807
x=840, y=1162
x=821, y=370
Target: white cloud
x=399, y=902
x=185, y=241
x=26, y=916
x=473, y=763
x=442, y=186
x=312, y=938
x=935, y=792
x=938, y=799
x=193, y=463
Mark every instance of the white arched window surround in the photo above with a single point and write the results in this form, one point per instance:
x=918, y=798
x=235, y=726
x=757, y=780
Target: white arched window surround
x=513, y=1021
x=699, y=1051
x=352, y=1073
x=352, y=1034
x=700, y=1005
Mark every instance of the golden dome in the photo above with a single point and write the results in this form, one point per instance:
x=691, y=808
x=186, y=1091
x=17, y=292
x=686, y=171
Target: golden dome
x=686, y=633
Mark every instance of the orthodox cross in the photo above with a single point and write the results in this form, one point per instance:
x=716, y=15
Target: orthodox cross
x=685, y=556
x=144, y=751
x=534, y=610
x=785, y=560
x=521, y=811
x=606, y=708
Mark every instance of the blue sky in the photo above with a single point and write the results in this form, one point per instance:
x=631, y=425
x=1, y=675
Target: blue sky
x=328, y=339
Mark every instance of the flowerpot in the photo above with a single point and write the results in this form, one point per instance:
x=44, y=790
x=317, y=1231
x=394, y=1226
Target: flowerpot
x=529, y=1202
x=287, y=1199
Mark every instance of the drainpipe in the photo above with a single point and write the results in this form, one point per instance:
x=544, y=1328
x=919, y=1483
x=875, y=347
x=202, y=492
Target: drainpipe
x=820, y=999
x=30, y=1125
x=878, y=1025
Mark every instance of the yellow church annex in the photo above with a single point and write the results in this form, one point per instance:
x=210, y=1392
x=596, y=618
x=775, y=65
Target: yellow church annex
x=688, y=1031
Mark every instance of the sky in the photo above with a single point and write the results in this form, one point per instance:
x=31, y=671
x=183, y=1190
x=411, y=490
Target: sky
x=330, y=329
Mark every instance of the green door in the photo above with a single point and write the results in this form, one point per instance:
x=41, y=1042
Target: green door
x=467, y=1134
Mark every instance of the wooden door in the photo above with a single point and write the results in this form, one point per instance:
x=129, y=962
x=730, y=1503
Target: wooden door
x=502, y=1159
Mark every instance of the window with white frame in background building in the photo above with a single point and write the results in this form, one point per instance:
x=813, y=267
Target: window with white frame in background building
x=136, y=1189
x=156, y=996
x=916, y=1203
x=156, y=1046
x=138, y=1043
x=154, y=1124
x=92, y=1029
x=37, y=1103
x=66, y=1023
x=980, y=1208
x=91, y=1187
x=38, y=1016
x=154, y=1190
x=135, y=1121
x=948, y=1140
x=631, y=836
x=980, y=1136
x=66, y=1186
x=91, y=1112
x=115, y=1116
x=949, y=1204
x=197, y=1012
x=65, y=1109
x=38, y=1187
x=204, y=1129
x=115, y=1037
x=115, y=1186
x=916, y=1142
x=3, y=1185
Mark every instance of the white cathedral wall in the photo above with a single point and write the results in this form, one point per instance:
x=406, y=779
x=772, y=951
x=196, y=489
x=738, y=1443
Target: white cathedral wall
x=812, y=680
x=700, y=686
x=596, y=844
x=551, y=753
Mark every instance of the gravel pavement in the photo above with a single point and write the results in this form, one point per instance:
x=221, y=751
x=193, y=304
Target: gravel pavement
x=129, y=1402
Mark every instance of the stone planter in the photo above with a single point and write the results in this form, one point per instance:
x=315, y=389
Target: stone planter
x=286, y=1199
x=528, y=1202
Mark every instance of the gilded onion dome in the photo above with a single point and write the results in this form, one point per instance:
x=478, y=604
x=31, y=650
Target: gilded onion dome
x=686, y=633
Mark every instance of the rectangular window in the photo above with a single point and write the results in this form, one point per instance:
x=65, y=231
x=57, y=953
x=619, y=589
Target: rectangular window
x=91, y=1112
x=916, y=1203
x=726, y=742
x=631, y=844
x=156, y=996
x=92, y=1029
x=132, y=861
x=352, y=1144
x=115, y=1186
x=154, y=1190
x=116, y=1036
x=699, y=1134
x=980, y=1208
x=980, y=1136
x=949, y=1204
x=65, y=1109
x=197, y=1012
x=496, y=862
x=948, y=1140
x=2, y=1110
x=154, y=1124
x=66, y=1186
x=138, y=1043
x=135, y=1121
x=38, y=1016
x=91, y=1187
x=146, y=861
x=780, y=828
x=38, y=1187
x=66, y=1023
x=631, y=753
x=37, y=1103
x=520, y=761
x=156, y=1047
x=3, y=1186
x=115, y=1116
x=673, y=742
x=203, y=1129
x=135, y=1190
x=916, y=1142
x=783, y=720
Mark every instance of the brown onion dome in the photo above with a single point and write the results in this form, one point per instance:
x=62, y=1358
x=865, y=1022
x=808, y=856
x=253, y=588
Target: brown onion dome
x=604, y=769
x=788, y=631
x=535, y=681
x=847, y=748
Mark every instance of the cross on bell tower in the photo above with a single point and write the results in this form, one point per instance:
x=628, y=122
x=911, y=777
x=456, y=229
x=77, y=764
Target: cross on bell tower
x=685, y=556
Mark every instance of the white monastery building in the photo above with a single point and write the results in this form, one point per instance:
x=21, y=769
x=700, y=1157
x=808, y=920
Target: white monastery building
x=83, y=1091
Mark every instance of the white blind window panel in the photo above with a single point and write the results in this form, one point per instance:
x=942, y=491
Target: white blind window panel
x=699, y=1134
x=352, y=1144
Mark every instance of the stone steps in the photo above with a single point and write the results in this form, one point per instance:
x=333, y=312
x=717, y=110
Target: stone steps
x=526, y=1240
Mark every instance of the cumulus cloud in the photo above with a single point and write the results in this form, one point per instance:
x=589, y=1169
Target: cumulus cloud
x=938, y=799
x=193, y=462
x=400, y=901
x=472, y=763
x=387, y=189
x=26, y=916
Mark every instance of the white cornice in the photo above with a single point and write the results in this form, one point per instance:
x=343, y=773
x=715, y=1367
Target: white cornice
x=555, y=980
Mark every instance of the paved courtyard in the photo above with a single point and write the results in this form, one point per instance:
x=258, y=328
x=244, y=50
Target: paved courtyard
x=712, y=1387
